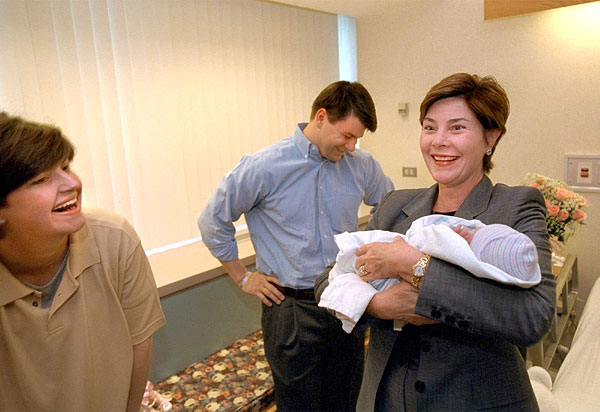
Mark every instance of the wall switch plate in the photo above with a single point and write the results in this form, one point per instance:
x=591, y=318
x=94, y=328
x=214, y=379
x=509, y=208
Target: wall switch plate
x=403, y=109
x=582, y=172
x=409, y=172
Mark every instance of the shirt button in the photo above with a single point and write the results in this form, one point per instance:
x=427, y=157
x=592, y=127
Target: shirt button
x=321, y=212
x=35, y=304
x=420, y=386
x=325, y=236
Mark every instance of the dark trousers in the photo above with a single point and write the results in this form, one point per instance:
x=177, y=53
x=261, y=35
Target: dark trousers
x=316, y=365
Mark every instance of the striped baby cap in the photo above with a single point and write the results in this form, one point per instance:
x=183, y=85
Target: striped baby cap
x=508, y=250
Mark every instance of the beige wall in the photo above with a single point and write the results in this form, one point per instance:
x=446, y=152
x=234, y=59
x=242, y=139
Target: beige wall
x=549, y=63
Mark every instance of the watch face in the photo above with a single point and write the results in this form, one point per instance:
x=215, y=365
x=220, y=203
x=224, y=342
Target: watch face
x=419, y=271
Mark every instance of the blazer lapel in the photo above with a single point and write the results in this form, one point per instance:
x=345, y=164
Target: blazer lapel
x=477, y=201
x=420, y=206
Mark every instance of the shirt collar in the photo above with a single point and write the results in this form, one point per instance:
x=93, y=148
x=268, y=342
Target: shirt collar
x=12, y=289
x=306, y=147
x=83, y=253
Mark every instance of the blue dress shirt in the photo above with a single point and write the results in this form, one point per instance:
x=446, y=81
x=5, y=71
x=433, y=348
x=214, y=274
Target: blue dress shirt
x=294, y=202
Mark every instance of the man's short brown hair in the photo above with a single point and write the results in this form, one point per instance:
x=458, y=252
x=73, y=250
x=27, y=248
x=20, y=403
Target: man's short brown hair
x=484, y=96
x=343, y=98
x=27, y=149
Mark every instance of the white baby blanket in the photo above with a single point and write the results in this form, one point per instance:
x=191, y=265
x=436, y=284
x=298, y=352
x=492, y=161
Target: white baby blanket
x=348, y=295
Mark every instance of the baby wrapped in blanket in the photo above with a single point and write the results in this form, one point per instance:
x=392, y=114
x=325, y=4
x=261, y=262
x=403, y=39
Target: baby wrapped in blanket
x=496, y=252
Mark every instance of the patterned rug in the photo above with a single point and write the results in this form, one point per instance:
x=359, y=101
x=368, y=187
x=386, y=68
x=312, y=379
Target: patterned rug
x=237, y=378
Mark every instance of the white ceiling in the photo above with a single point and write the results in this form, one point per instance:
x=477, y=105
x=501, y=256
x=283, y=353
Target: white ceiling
x=354, y=8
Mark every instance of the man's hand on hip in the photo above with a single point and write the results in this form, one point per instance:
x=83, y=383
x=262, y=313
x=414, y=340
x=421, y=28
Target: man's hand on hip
x=263, y=286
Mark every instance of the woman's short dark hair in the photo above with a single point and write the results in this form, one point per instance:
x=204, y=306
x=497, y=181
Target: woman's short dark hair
x=484, y=95
x=27, y=149
x=343, y=98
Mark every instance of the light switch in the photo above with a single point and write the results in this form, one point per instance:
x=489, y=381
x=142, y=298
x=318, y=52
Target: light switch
x=409, y=172
x=402, y=109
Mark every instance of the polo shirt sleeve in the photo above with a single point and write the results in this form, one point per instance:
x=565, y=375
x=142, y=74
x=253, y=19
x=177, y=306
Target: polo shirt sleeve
x=139, y=296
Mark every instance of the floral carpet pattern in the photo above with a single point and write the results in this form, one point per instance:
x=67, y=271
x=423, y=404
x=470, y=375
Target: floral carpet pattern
x=237, y=378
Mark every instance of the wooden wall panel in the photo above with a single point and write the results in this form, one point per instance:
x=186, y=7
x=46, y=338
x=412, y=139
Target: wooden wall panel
x=494, y=9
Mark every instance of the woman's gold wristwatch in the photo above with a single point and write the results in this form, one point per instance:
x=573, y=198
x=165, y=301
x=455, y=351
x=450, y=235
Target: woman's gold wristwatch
x=419, y=270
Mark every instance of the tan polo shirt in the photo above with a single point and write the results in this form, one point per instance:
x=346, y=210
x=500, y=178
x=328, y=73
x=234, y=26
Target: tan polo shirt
x=77, y=355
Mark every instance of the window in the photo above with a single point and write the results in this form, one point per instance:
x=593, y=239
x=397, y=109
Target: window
x=162, y=98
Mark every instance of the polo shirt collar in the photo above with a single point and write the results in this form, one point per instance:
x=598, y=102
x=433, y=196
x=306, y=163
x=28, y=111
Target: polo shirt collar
x=12, y=289
x=83, y=253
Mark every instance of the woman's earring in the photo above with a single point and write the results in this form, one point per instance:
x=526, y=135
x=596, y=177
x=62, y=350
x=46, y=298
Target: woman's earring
x=489, y=152
x=2, y=221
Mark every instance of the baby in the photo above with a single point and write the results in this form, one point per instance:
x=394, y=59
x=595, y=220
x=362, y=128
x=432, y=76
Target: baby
x=505, y=248
x=495, y=252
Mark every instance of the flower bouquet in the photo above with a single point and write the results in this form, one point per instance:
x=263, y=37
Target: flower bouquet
x=565, y=208
x=154, y=401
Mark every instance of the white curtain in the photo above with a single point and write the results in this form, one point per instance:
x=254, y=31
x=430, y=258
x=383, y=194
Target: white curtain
x=161, y=98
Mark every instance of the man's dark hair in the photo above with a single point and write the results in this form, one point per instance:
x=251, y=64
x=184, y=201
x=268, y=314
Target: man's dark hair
x=343, y=98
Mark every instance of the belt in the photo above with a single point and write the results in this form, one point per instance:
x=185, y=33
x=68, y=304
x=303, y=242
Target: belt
x=305, y=294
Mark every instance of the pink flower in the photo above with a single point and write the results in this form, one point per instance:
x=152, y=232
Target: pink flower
x=548, y=204
x=585, y=200
x=563, y=215
x=553, y=210
x=534, y=185
x=561, y=193
x=579, y=215
x=166, y=405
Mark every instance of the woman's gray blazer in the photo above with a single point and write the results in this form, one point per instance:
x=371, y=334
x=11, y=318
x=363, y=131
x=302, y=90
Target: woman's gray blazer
x=470, y=360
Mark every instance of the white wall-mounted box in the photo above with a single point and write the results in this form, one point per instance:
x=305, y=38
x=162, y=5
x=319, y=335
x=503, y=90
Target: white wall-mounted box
x=582, y=172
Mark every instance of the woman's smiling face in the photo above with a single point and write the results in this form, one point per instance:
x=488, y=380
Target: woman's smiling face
x=453, y=143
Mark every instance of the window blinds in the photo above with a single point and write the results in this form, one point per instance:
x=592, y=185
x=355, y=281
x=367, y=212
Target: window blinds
x=161, y=98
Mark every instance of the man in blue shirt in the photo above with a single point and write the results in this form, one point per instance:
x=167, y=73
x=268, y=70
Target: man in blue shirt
x=297, y=194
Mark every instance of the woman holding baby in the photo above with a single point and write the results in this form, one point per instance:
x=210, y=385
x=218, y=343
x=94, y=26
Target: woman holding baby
x=459, y=350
